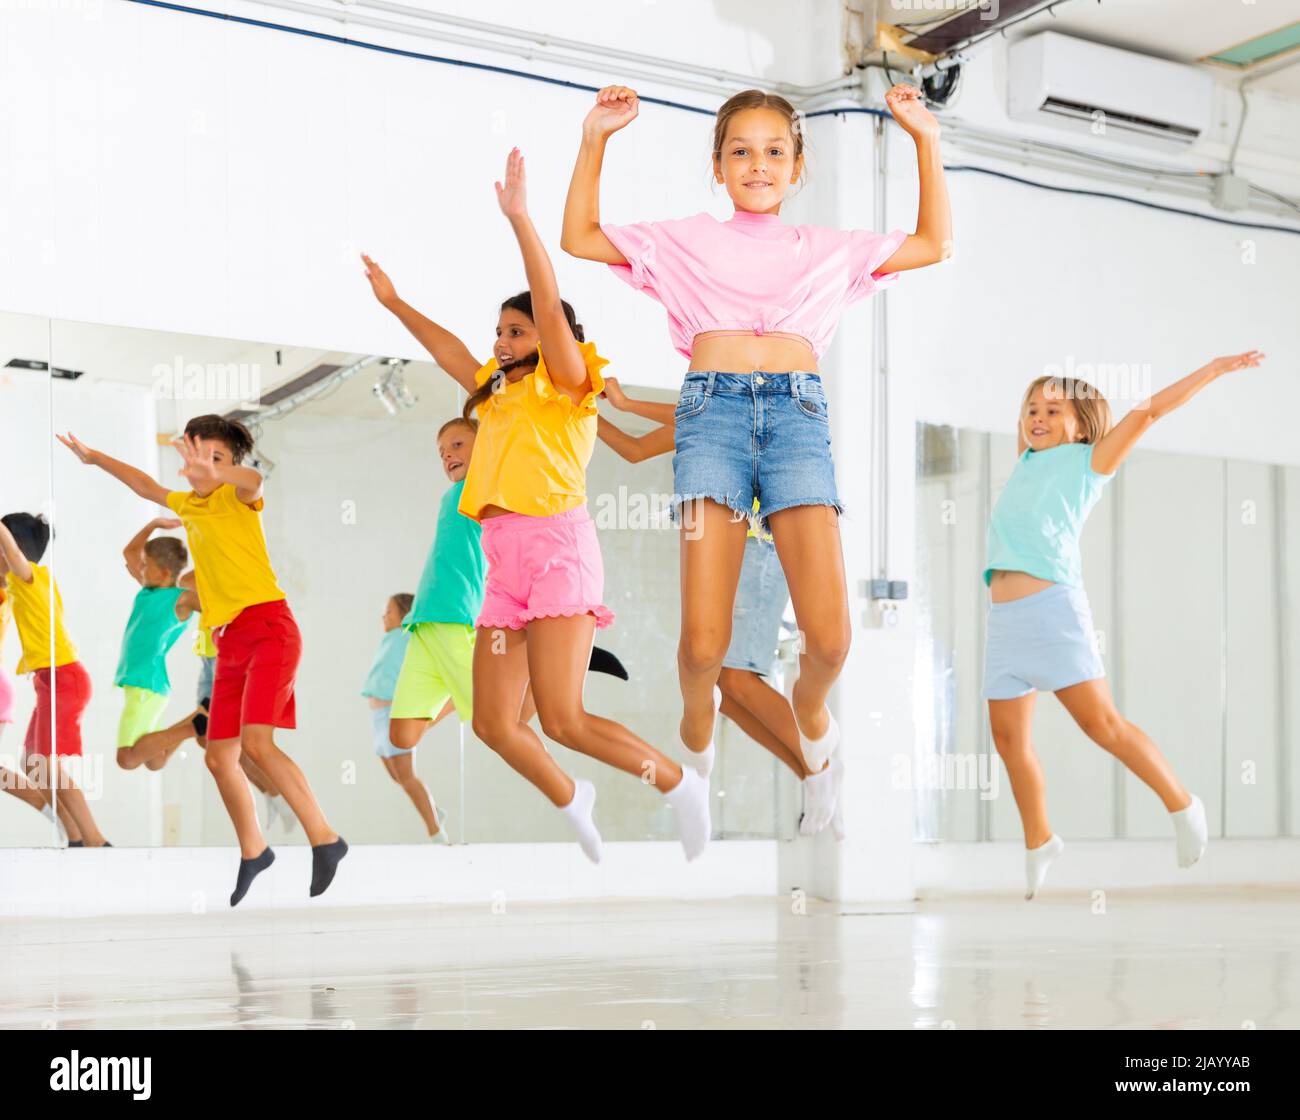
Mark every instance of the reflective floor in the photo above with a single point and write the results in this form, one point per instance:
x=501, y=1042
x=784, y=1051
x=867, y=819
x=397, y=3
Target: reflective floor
x=1137, y=959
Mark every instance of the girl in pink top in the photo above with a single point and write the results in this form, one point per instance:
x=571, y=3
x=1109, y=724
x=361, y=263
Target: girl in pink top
x=753, y=303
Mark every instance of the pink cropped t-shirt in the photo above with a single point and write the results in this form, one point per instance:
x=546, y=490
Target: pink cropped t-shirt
x=752, y=273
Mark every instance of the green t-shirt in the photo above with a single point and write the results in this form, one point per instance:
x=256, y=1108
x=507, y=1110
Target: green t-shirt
x=451, y=586
x=151, y=631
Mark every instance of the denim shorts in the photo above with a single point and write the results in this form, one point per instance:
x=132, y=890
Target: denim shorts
x=742, y=436
x=761, y=598
x=1042, y=642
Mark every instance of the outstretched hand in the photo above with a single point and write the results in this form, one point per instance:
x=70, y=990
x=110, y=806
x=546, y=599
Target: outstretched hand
x=511, y=197
x=1249, y=360
x=383, y=288
x=79, y=449
x=907, y=103
x=615, y=108
x=197, y=462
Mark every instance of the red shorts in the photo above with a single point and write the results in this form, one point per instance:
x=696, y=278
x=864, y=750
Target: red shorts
x=257, y=659
x=71, y=695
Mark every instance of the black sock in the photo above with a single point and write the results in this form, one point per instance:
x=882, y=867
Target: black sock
x=200, y=721
x=324, y=862
x=250, y=869
x=76, y=843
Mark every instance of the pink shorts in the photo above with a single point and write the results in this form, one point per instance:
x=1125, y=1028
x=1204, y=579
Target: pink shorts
x=8, y=696
x=542, y=567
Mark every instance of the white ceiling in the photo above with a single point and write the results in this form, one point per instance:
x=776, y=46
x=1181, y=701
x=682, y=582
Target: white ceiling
x=1179, y=30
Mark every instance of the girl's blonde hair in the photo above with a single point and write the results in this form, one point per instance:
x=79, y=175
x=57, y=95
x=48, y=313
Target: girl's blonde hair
x=757, y=99
x=1091, y=409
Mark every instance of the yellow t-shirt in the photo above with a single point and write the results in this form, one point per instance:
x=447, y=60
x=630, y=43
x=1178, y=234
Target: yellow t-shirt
x=231, y=566
x=5, y=612
x=533, y=443
x=204, y=646
x=31, y=607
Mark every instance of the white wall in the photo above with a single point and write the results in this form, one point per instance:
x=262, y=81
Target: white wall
x=1042, y=279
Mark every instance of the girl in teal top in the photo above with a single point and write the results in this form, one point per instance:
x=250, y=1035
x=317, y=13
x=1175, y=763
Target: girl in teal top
x=1040, y=635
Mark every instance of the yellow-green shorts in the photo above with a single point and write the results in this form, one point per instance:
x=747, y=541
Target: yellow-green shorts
x=141, y=714
x=439, y=664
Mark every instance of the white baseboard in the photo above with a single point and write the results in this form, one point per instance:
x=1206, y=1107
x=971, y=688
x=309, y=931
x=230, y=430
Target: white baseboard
x=81, y=882
x=948, y=868
x=51, y=883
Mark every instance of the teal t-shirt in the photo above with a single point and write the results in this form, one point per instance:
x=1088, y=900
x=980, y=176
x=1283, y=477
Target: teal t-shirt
x=382, y=680
x=151, y=631
x=451, y=586
x=1037, y=519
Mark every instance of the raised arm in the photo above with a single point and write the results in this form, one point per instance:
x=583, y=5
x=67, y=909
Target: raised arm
x=660, y=413
x=187, y=603
x=932, y=241
x=18, y=563
x=445, y=348
x=563, y=358
x=133, y=553
x=581, y=236
x=1113, y=448
x=635, y=449
x=131, y=477
x=200, y=468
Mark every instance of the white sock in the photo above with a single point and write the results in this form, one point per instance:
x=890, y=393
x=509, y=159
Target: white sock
x=702, y=761
x=53, y=818
x=1038, y=860
x=699, y=761
x=690, y=801
x=817, y=752
x=440, y=815
x=820, y=795
x=579, y=811
x=1191, y=832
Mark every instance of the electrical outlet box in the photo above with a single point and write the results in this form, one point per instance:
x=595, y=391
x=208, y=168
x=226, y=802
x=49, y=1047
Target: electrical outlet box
x=1231, y=192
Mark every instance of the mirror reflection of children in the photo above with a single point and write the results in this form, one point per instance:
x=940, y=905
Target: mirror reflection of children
x=14, y=782
x=378, y=690
x=159, y=614
x=1039, y=635
x=746, y=698
x=527, y=486
x=62, y=687
x=258, y=642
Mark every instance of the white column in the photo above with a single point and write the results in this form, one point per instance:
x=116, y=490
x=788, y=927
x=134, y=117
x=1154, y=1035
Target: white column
x=873, y=699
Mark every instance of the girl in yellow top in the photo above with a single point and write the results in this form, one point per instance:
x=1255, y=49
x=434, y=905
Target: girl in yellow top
x=62, y=683
x=527, y=486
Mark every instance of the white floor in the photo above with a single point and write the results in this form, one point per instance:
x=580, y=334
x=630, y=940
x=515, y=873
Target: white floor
x=1155, y=958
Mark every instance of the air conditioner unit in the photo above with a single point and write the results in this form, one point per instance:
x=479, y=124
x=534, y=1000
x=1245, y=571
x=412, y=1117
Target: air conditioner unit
x=1106, y=92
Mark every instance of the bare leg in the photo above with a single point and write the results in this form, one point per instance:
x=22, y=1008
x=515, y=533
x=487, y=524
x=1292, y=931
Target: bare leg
x=500, y=681
x=222, y=757
x=15, y=783
x=155, y=749
x=1011, y=722
x=763, y=714
x=406, y=733
x=1093, y=709
x=712, y=546
x=258, y=743
x=402, y=770
x=808, y=544
x=558, y=653
x=71, y=798
x=256, y=776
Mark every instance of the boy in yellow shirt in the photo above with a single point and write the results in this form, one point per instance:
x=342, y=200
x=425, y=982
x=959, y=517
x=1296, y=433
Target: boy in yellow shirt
x=62, y=683
x=257, y=639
